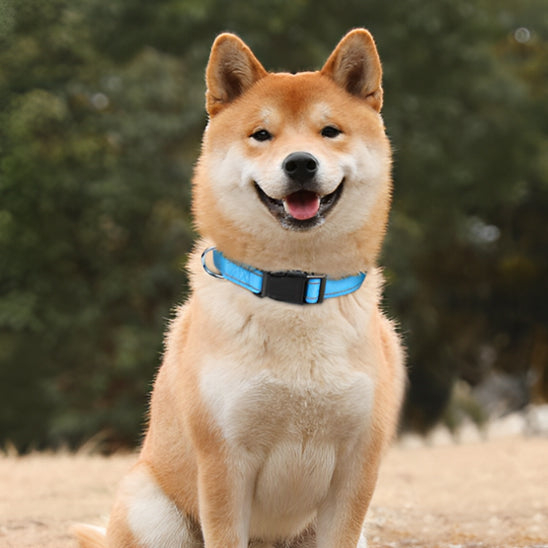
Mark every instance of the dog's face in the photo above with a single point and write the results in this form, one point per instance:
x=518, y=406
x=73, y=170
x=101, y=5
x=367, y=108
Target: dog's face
x=293, y=160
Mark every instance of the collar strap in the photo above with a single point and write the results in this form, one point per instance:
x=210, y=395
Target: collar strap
x=293, y=286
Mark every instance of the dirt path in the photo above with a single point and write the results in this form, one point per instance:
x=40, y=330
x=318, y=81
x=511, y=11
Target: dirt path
x=486, y=495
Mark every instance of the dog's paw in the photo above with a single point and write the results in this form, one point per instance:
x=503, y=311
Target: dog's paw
x=363, y=541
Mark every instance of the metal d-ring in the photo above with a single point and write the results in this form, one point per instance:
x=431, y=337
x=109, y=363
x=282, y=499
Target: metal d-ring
x=206, y=268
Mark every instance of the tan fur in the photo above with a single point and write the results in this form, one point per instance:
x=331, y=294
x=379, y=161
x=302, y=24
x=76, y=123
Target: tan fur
x=89, y=536
x=268, y=420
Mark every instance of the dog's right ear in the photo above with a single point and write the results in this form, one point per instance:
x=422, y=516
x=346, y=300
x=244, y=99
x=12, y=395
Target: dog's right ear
x=231, y=70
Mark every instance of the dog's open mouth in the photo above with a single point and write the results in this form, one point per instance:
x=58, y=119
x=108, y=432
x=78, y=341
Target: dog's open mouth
x=301, y=210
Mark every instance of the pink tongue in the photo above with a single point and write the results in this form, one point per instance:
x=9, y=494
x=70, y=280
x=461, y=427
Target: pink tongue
x=302, y=205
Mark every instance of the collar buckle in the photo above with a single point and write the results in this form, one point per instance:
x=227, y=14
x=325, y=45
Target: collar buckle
x=294, y=287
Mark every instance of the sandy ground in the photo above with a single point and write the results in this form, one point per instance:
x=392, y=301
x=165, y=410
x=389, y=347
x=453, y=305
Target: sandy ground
x=492, y=494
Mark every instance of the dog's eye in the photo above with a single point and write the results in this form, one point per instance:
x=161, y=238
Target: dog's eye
x=261, y=135
x=330, y=132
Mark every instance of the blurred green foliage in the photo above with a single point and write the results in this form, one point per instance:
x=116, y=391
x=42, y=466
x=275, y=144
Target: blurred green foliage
x=101, y=112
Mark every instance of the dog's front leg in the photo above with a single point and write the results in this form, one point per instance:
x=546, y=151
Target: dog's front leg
x=225, y=495
x=341, y=517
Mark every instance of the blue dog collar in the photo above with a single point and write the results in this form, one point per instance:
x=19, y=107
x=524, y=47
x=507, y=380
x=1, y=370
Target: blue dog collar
x=293, y=286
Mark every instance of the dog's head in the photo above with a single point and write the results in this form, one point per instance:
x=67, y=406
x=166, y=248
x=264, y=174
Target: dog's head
x=295, y=168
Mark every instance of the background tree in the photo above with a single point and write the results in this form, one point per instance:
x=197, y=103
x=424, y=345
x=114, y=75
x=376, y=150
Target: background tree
x=101, y=112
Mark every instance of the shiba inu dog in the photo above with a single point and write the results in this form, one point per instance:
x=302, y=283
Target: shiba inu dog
x=282, y=380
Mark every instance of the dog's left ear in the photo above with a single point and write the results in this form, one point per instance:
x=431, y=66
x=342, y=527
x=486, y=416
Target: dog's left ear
x=232, y=69
x=355, y=66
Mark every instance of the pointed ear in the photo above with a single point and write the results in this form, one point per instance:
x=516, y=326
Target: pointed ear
x=355, y=66
x=231, y=70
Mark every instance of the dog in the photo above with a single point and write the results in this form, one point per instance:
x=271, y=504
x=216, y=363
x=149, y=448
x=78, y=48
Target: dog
x=282, y=380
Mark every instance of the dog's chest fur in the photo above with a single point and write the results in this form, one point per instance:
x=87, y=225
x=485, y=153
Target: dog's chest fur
x=288, y=396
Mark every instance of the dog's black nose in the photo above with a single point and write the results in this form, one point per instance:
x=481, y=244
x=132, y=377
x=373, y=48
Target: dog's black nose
x=300, y=166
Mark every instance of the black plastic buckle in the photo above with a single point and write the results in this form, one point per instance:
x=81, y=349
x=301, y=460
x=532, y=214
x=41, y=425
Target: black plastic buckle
x=290, y=287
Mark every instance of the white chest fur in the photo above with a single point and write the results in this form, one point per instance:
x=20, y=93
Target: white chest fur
x=289, y=437
x=258, y=411
x=290, y=404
